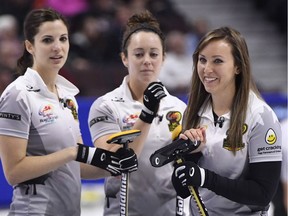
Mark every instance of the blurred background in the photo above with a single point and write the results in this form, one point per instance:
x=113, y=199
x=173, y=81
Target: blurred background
x=95, y=67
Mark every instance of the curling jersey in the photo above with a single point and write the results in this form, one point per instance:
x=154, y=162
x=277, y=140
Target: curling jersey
x=261, y=143
x=30, y=111
x=150, y=189
x=284, y=169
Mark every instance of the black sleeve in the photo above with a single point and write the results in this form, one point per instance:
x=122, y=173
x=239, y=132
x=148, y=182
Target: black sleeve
x=257, y=188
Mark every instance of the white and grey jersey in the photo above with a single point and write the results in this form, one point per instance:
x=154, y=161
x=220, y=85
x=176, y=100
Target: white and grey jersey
x=30, y=111
x=284, y=169
x=150, y=189
x=261, y=143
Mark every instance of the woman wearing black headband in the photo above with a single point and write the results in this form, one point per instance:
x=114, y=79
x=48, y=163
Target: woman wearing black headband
x=141, y=102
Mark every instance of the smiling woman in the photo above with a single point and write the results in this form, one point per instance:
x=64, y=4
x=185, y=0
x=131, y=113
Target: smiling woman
x=239, y=166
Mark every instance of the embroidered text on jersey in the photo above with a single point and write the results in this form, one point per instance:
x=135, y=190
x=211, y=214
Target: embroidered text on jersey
x=11, y=116
x=97, y=119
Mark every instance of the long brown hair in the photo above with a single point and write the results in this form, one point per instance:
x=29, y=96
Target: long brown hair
x=199, y=97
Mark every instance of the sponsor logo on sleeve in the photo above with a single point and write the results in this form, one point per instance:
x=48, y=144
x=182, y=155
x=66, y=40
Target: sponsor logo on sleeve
x=270, y=139
x=98, y=119
x=11, y=116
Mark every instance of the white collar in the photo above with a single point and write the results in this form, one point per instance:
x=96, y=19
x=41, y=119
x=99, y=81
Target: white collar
x=35, y=81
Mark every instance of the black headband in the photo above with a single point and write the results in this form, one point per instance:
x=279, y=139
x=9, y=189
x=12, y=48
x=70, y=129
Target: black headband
x=143, y=26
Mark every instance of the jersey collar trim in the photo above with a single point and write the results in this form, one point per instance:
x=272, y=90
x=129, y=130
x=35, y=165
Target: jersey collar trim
x=35, y=80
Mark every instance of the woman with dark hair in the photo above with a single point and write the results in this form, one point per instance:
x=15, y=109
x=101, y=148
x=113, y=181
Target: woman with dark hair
x=140, y=102
x=39, y=127
x=240, y=160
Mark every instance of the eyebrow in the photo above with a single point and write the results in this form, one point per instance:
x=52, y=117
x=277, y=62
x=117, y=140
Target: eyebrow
x=214, y=56
x=141, y=49
x=65, y=34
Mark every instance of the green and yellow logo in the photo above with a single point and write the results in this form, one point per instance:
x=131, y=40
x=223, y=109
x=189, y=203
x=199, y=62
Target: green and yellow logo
x=227, y=145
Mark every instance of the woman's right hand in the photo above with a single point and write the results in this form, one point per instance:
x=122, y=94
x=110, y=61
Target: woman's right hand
x=151, y=99
x=193, y=134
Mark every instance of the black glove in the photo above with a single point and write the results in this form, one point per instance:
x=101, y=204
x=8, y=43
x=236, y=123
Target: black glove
x=113, y=162
x=152, y=96
x=127, y=160
x=181, y=190
x=188, y=174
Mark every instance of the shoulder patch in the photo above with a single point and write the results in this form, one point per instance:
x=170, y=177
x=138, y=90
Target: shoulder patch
x=97, y=119
x=12, y=116
x=270, y=137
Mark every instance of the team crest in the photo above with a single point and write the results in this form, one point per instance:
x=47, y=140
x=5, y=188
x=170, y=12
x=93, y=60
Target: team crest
x=228, y=146
x=245, y=128
x=71, y=105
x=174, y=118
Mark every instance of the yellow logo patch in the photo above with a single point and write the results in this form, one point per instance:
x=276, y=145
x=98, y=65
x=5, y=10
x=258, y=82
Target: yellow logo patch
x=270, y=137
x=245, y=128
